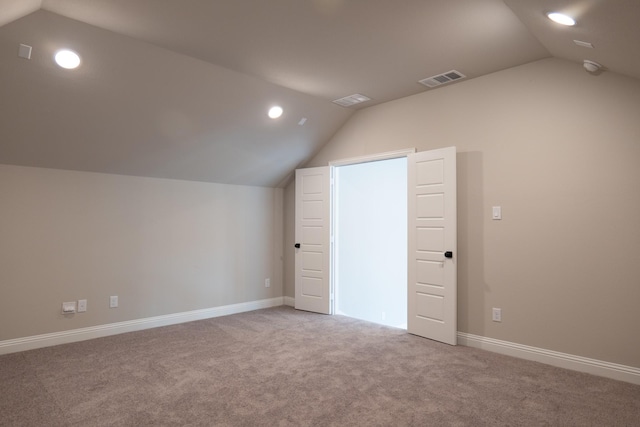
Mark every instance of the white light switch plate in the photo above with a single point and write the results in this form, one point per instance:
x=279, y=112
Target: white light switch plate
x=496, y=212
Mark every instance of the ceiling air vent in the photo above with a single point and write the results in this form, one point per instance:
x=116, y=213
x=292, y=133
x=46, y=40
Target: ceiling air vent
x=350, y=100
x=443, y=78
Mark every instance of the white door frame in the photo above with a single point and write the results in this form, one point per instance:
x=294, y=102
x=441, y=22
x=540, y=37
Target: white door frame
x=432, y=184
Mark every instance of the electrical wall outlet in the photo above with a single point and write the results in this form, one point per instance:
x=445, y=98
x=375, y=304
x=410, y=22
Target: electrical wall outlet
x=267, y=282
x=68, y=307
x=113, y=301
x=82, y=305
x=497, y=315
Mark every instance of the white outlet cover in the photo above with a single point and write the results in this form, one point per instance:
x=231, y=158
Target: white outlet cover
x=113, y=301
x=68, y=307
x=82, y=305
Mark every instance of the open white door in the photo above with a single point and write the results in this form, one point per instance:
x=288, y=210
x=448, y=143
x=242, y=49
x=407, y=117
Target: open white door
x=313, y=197
x=432, y=278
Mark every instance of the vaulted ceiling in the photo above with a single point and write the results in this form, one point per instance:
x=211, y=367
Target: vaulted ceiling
x=180, y=89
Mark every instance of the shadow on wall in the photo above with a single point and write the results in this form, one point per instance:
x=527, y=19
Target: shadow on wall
x=471, y=275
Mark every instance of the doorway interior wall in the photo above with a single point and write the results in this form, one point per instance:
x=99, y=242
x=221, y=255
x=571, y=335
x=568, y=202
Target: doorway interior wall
x=370, y=241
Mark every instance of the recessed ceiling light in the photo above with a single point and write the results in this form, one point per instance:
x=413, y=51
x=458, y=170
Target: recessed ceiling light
x=275, y=112
x=67, y=59
x=561, y=18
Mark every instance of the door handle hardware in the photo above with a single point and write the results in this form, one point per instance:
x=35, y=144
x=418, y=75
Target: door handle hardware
x=297, y=245
x=448, y=254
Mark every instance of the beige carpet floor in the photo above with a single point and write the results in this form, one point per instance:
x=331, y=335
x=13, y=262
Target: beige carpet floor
x=281, y=367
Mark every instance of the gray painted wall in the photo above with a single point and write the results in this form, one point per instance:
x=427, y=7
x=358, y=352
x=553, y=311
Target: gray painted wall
x=558, y=149
x=163, y=246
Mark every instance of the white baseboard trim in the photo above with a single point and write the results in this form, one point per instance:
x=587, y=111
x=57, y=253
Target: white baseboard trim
x=562, y=360
x=74, y=335
x=554, y=358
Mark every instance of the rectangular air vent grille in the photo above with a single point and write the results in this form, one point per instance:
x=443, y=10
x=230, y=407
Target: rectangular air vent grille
x=441, y=79
x=350, y=100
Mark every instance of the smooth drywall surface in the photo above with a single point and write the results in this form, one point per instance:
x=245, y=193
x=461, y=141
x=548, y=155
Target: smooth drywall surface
x=370, y=243
x=558, y=150
x=162, y=246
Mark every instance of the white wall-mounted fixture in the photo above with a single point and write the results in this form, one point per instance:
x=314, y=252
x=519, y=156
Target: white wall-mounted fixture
x=68, y=307
x=24, y=51
x=275, y=112
x=67, y=59
x=561, y=18
x=496, y=213
x=591, y=66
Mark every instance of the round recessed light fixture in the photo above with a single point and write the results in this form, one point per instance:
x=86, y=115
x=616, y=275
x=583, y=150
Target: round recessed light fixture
x=275, y=112
x=67, y=59
x=561, y=18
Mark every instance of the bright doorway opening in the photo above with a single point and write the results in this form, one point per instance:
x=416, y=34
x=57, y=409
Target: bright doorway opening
x=370, y=248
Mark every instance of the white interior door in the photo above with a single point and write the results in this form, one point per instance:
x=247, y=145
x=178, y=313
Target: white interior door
x=312, y=230
x=432, y=265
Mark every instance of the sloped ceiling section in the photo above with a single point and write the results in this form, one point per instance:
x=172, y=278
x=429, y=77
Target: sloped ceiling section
x=10, y=10
x=180, y=89
x=611, y=26
x=326, y=48
x=136, y=109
